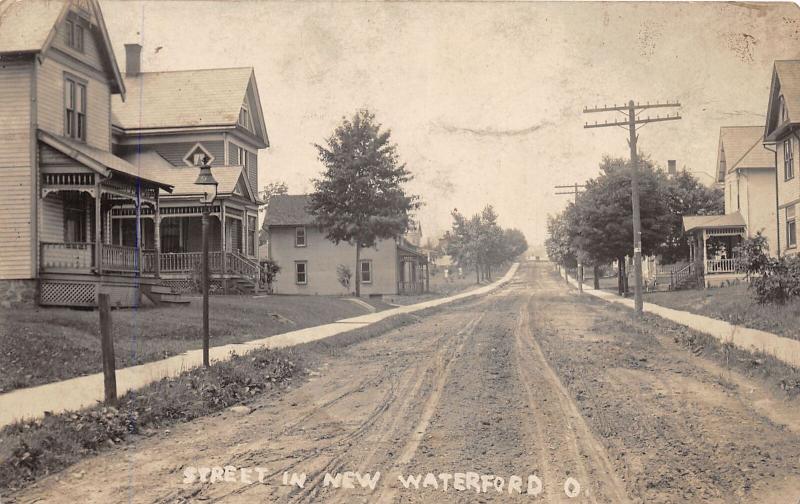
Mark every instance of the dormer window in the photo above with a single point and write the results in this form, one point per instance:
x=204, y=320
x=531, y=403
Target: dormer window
x=244, y=118
x=75, y=35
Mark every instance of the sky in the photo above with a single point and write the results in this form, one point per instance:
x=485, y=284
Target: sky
x=484, y=99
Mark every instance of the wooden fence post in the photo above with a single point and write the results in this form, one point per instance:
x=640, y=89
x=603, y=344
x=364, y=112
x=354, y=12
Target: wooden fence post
x=107, y=346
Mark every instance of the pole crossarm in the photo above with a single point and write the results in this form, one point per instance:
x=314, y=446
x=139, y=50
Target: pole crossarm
x=632, y=112
x=637, y=121
x=626, y=107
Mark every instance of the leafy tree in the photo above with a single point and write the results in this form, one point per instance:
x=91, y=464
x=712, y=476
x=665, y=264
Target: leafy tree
x=600, y=224
x=515, y=243
x=557, y=243
x=360, y=197
x=270, y=190
x=685, y=195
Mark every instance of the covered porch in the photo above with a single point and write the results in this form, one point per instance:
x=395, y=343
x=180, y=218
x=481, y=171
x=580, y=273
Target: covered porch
x=79, y=188
x=712, y=247
x=413, y=270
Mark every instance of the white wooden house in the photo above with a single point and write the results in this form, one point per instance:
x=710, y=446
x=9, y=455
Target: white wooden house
x=310, y=263
x=746, y=170
x=62, y=182
x=781, y=136
x=168, y=122
x=100, y=166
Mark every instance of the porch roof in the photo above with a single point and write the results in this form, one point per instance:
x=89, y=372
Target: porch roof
x=408, y=249
x=99, y=160
x=182, y=178
x=693, y=222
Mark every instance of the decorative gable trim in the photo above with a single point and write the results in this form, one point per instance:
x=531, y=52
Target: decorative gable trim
x=188, y=158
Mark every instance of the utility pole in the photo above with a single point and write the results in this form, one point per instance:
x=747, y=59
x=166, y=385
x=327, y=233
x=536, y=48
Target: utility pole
x=631, y=111
x=576, y=191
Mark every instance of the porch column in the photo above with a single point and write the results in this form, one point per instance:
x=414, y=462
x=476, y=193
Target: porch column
x=705, y=257
x=98, y=227
x=139, y=234
x=223, y=243
x=157, y=237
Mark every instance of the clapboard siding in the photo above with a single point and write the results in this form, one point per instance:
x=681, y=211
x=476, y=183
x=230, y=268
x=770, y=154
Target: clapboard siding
x=175, y=152
x=50, y=82
x=15, y=170
x=252, y=174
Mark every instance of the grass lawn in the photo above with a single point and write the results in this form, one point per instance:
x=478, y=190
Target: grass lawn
x=42, y=345
x=735, y=305
x=441, y=287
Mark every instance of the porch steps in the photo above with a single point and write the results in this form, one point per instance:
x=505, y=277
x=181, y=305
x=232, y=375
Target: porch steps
x=162, y=295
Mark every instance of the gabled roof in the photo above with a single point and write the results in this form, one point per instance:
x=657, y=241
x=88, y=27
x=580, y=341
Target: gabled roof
x=786, y=83
x=743, y=148
x=103, y=162
x=186, y=99
x=29, y=26
x=151, y=164
x=692, y=222
x=289, y=210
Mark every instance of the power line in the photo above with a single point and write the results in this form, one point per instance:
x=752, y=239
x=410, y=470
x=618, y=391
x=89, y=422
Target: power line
x=630, y=110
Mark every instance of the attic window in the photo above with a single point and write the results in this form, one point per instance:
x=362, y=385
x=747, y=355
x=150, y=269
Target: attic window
x=196, y=154
x=244, y=118
x=75, y=35
x=784, y=113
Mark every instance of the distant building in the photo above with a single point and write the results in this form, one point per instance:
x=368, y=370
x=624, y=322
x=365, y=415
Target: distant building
x=312, y=265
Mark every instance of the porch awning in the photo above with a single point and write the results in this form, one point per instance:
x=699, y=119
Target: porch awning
x=731, y=220
x=103, y=162
x=406, y=249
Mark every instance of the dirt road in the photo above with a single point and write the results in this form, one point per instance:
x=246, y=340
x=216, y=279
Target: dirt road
x=527, y=394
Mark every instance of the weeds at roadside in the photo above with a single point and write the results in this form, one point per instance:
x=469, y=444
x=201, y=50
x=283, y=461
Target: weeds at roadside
x=30, y=450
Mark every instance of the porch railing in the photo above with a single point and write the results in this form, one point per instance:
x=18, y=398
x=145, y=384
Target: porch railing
x=722, y=266
x=117, y=258
x=410, y=287
x=177, y=262
x=66, y=256
x=241, y=265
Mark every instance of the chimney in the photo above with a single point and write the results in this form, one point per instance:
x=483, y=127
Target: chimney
x=133, y=59
x=672, y=170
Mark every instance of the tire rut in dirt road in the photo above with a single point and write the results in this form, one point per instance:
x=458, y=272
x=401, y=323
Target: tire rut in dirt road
x=557, y=419
x=677, y=430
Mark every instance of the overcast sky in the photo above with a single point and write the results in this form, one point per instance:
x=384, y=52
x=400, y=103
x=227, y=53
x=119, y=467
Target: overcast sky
x=483, y=99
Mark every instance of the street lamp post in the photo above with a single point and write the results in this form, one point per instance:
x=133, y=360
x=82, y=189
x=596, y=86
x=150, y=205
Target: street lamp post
x=206, y=180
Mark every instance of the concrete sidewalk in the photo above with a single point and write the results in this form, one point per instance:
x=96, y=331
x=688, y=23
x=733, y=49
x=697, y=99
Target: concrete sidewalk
x=84, y=391
x=784, y=349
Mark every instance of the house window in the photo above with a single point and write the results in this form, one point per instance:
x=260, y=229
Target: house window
x=74, y=109
x=788, y=159
x=251, y=235
x=791, y=228
x=244, y=118
x=301, y=272
x=300, y=236
x=75, y=36
x=241, y=157
x=74, y=218
x=366, y=271
x=783, y=112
